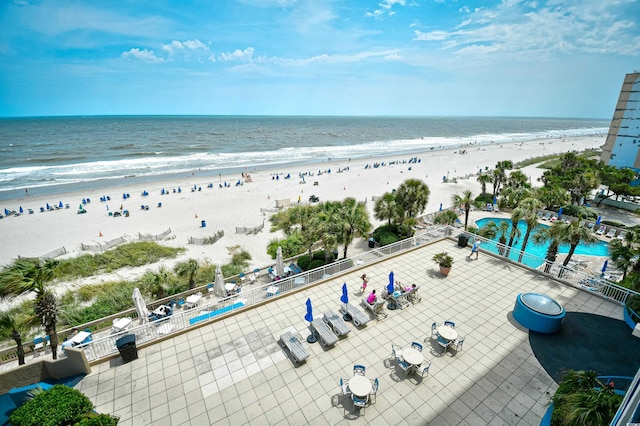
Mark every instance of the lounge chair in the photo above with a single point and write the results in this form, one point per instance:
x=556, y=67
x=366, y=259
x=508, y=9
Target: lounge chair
x=590, y=226
x=621, y=235
x=336, y=323
x=323, y=331
x=601, y=230
x=297, y=352
x=546, y=216
x=611, y=233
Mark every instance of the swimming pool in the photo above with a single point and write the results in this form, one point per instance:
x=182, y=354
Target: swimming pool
x=601, y=248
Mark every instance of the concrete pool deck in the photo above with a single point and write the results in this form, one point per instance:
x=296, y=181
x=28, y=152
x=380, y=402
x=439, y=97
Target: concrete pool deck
x=233, y=372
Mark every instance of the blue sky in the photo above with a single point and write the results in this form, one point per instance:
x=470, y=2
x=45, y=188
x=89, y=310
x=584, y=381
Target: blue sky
x=552, y=58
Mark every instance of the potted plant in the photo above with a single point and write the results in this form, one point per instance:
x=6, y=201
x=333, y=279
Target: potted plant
x=444, y=261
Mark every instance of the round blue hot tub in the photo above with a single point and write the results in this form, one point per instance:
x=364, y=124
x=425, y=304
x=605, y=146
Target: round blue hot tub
x=538, y=312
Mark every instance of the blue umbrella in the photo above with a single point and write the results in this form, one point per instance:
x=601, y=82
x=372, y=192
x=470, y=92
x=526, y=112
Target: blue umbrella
x=440, y=206
x=48, y=206
x=495, y=200
x=390, y=285
x=345, y=299
x=60, y=204
x=345, y=294
x=309, y=317
x=604, y=267
x=598, y=220
x=6, y=212
x=559, y=212
x=21, y=211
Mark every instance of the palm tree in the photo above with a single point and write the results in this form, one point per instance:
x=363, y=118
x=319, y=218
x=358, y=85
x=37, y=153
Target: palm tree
x=499, y=175
x=32, y=275
x=386, y=208
x=483, y=180
x=412, y=197
x=574, y=234
x=502, y=239
x=552, y=233
x=355, y=221
x=489, y=230
x=530, y=207
x=297, y=220
x=10, y=327
x=188, y=269
x=465, y=200
x=625, y=254
x=327, y=225
x=516, y=215
x=517, y=179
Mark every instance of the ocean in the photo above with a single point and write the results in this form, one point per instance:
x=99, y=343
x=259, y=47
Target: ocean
x=48, y=155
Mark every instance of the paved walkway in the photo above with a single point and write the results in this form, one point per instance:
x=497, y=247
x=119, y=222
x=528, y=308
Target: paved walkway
x=233, y=371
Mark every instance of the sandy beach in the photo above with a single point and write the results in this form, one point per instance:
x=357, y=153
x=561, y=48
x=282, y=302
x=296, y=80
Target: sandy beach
x=224, y=209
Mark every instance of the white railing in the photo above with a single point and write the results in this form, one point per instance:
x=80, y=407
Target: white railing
x=250, y=295
x=571, y=276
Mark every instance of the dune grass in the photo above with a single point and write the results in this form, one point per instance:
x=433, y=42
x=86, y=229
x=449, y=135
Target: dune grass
x=127, y=255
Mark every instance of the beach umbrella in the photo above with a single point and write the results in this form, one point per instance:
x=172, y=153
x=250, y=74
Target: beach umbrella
x=598, y=220
x=495, y=200
x=141, y=306
x=345, y=299
x=604, y=267
x=218, y=285
x=560, y=212
x=48, y=206
x=21, y=211
x=440, y=209
x=279, y=263
x=6, y=212
x=390, y=285
x=60, y=204
x=309, y=317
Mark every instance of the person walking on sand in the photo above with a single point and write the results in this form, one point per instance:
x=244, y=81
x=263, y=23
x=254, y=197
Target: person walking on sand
x=474, y=248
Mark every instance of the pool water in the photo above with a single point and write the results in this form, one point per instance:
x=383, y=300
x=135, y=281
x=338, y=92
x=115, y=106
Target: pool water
x=601, y=248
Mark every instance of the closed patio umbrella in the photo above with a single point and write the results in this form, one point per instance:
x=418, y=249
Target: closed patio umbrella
x=560, y=213
x=604, y=266
x=309, y=317
x=218, y=285
x=141, y=306
x=390, y=285
x=21, y=211
x=279, y=263
x=345, y=299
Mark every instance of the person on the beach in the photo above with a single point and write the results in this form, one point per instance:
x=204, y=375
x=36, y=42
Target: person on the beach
x=474, y=248
x=371, y=298
x=365, y=281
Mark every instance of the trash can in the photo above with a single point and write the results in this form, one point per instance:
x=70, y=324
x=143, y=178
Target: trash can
x=127, y=347
x=372, y=243
x=463, y=240
x=203, y=223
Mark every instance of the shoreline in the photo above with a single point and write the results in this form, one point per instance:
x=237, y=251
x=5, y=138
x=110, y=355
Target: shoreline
x=105, y=183
x=225, y=209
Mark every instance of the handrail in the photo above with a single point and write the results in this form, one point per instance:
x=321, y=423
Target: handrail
x=105, y=346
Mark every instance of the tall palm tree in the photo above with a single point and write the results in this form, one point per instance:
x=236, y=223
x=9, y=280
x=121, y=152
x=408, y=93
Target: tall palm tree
x=502, y=239
x=574, y=234
x=489, y=230
x=10, y=327
x=465, y=200
x=530, y=207
x=188, y=269
x=625, y=253
x=499, y=175
x=517, y=179
x=355, y=220
x=412, y=197
x=544, y=234
x=386, y=208
x=297, y=220
x=483, y=180
x=516, y=215
x=33, y=276
x=327, y=226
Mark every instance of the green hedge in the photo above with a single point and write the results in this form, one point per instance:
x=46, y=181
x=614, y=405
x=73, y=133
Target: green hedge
x=57, y=406
x=315, y=264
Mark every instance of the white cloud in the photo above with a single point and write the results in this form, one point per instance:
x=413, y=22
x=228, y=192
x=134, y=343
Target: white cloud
x=385, y=8
x=245, y=55
x=553, y=28
x=181, y=46
x=143, y=55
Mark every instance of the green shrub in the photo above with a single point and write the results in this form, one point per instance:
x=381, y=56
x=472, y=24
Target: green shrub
x=57, y=406
x=580, y=211
x=315, y=264
x=384, y=229
x=291, y=246
x=319, y=255
x=94, y=419
x=484, y=199
x=387, y=238
x=445, y=217
x=303, y=262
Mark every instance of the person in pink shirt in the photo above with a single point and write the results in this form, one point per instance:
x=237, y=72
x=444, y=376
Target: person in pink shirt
x=371, y=299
